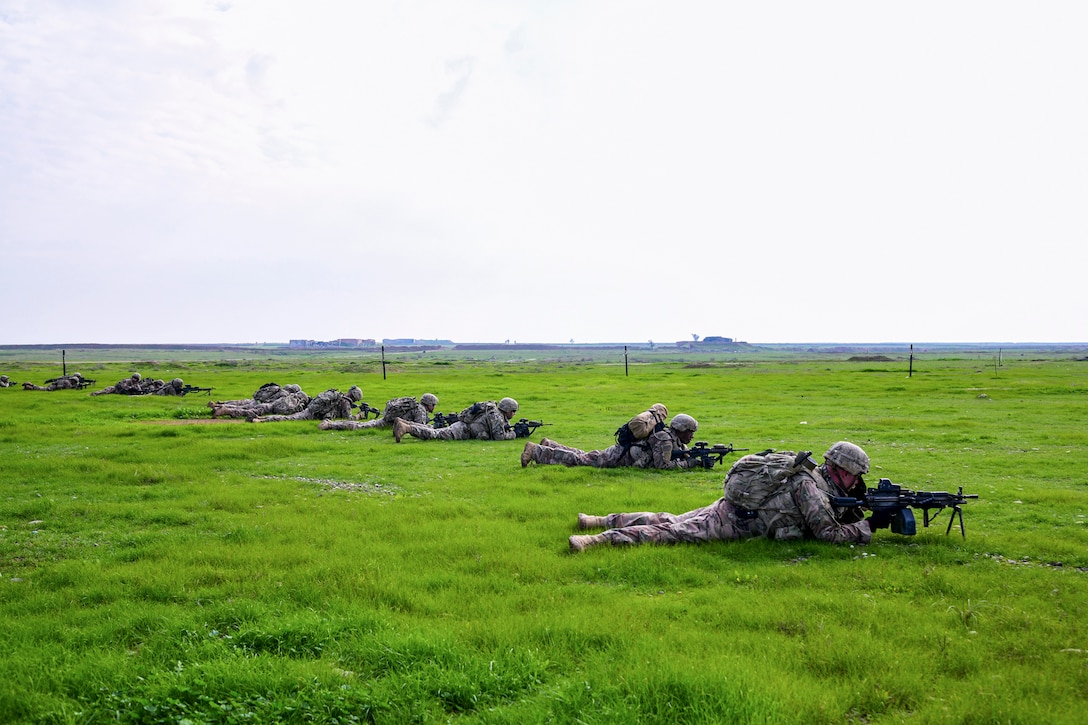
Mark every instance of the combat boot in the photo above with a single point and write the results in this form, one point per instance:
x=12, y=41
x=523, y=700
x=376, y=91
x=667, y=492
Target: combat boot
x=527, y=455
x=400, y=427
x=579, y=543
x=586, y=521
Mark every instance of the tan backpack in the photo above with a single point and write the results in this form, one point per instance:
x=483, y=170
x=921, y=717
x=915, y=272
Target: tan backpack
x=642, y=426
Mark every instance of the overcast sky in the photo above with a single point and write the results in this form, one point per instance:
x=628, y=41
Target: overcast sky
x=543, y=171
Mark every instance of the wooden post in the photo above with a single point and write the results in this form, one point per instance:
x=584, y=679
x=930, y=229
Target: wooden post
x=625, y=372
x=383, y=362
x=910, y=372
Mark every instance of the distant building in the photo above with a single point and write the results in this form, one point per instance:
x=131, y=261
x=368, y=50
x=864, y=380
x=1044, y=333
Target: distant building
x=710, y=341
x=341, y=342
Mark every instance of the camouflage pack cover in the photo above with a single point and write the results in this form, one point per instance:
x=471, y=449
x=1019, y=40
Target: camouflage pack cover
x=267, y=393
x=399, y=408
x=473, y=412
x=754, y=479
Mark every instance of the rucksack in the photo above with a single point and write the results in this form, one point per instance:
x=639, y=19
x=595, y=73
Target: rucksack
x=639, y=428
x=471, y=413
x=755, y=478
x=399, y=408
x=267, y=393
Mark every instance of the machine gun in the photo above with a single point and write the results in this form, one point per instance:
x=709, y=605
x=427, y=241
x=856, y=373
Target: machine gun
x=706, y=454
x=444, y=420
x=891, y=506
x=525, y=427
x=365, y=410
x=194, y=389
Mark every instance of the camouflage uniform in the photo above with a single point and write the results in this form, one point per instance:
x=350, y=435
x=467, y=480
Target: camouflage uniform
x=406, y=408
x=5, y=382
x=150, y=386
x=174, y=387
x=128, y=386
x=270, y=399
x=265, y=394
x=65, y=382
x=488, y=423
x=804, y=501
x=652, y=452
x=330, y=404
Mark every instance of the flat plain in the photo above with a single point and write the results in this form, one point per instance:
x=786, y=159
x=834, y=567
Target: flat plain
x=156, y=567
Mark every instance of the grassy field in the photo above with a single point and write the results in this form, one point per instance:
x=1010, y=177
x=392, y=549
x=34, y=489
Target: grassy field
x=158, y=567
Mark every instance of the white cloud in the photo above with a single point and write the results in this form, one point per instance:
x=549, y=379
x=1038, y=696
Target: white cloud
x=772, y=172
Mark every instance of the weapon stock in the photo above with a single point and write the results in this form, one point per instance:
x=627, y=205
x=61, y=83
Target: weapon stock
x=891, y=505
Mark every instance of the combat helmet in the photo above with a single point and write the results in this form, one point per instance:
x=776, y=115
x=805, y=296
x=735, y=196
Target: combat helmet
x=429, y=399
x=848, y=457
x=684, y=423
x=508, y=405
x=355, y=393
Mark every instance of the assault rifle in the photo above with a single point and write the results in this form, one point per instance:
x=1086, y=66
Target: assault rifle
x=706, y=454
x=444, y=420
x=891, y=506
x=525, y=427
x=365, y=410
x=194, y=389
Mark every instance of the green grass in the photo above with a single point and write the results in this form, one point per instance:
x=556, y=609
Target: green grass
x=153, y=570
